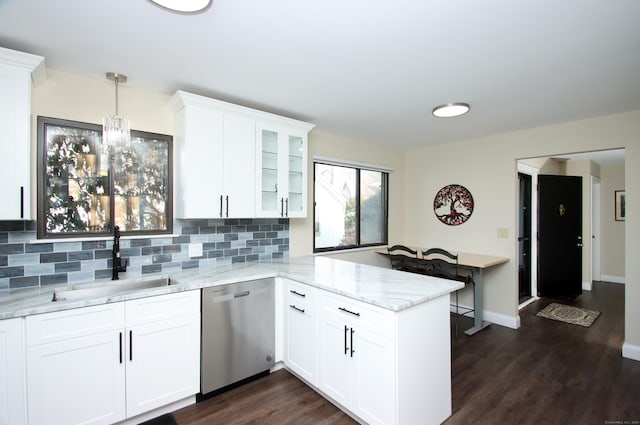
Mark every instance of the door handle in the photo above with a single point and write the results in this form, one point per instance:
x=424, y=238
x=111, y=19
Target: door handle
x=301, y=310
x=294, y=292
x=120, y=348
x=281, y=207
x=346, y=349
x=220, y=205
x=227, y=214
x=348, y=311
x=130, y=346
x=352, y=350
x=286, y=207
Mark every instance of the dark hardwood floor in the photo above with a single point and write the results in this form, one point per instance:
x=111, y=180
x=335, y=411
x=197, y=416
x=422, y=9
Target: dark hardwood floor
x=546, y=372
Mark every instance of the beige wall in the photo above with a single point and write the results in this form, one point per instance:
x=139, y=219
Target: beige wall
x=613, y=232
x=487, y=167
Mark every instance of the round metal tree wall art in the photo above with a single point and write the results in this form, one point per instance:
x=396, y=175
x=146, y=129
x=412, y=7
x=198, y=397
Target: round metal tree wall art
x=453, y=204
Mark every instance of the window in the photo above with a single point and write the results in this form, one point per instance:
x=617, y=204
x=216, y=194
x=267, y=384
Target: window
x=80, y=183
x=350, y=207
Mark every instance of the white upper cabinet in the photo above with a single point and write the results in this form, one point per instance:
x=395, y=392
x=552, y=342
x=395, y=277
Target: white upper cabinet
x=281, y=169
x=230, y=164
x=17, y=70
x=215, y=165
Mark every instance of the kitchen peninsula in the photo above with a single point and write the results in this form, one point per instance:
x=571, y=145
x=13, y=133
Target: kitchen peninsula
x=374, y=341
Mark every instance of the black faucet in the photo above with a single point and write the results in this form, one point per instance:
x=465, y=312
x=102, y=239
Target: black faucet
x=118, y=264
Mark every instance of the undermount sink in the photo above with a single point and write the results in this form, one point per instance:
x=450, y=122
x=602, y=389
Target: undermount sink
x=109, y=288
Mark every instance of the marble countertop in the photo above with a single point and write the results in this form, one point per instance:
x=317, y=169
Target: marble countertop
x=389, y=289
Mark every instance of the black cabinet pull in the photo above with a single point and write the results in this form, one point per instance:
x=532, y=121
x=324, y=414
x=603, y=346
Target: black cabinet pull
x=227, y=214
x=294, y=292
x=352, y=350
x=286, y=207
x=301, y=310
x=346, y=349
x=281, y=207
x=220, y=205
x=21, y=201
x=120, y=347
x=130, y=346
x=348, y=311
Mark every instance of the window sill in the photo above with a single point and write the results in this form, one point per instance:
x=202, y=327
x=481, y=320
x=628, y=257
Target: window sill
x=102, y=238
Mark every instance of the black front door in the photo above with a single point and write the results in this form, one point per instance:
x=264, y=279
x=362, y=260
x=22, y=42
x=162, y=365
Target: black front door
x=524, y=238
x=559, y=236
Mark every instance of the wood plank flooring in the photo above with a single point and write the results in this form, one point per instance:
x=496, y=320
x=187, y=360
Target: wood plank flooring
x=546, y=372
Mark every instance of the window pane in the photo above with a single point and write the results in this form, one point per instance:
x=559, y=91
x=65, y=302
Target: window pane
x=371, y=207
x=141, y=182
x=76, y=182
x=335, y=199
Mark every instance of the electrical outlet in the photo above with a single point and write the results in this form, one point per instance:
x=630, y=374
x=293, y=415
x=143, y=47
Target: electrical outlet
x=503, y=232
x=195, y=250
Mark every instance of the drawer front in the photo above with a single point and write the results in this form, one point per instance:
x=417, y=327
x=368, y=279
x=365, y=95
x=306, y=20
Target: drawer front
x=62, y=325
x=358, y=313
x=162, y=307
x=301, y=296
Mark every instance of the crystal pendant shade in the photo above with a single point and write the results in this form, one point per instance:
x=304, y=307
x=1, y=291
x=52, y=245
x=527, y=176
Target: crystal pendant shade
x=115, y=129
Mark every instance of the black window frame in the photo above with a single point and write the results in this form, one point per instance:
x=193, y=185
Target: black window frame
x=385, y=202
x=42, y=122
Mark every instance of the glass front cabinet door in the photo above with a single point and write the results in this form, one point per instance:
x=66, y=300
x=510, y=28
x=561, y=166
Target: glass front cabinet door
x=282, y=171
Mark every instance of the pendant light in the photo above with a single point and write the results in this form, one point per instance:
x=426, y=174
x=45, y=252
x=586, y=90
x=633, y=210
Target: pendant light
x=115, y=129
x=184, y=6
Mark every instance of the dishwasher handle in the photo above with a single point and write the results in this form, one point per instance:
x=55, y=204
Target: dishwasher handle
x=241, y=294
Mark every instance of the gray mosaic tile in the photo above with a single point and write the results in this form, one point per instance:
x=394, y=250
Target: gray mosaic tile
x=38, y=247
x=67, y=246
x=53, y=257
x=51, y=279
x=11, y=271
x=11, y=248
x=24, y=282
x=24, y=259
x=68, y=267
x=153, y=268
x=88, y=245
x=80, y=256
x=192, y=264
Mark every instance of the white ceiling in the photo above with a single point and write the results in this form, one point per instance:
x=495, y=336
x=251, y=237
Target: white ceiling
x=367, y=69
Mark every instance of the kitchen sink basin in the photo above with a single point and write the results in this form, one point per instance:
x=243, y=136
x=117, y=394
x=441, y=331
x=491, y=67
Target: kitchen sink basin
x=101, y=289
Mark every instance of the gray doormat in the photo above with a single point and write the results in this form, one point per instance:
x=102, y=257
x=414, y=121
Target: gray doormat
x=569, y=314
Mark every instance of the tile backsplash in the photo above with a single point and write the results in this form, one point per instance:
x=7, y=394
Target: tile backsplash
x=224, y=241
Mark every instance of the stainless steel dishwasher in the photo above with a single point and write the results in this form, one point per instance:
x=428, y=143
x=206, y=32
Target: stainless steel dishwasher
x=238, y=332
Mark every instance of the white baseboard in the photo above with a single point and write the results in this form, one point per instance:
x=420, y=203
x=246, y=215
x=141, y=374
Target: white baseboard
x=587, y=286
x=631, y=351
x=497, y=318
x=613, y=279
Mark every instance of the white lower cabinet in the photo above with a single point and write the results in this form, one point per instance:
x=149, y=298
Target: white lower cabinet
x=301, y=351
x=103, y=364
x=357, y=361
x=12, y=372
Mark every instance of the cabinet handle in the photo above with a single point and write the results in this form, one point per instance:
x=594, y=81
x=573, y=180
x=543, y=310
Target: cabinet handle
x=286, y=207
x=346, y=349
x=120, y=347
x=220, y=205
x=294, y=292
x=227, y=213
x=281, y=207
x=301, y=310
x=21, y=201
x=352, y=350
x=348, y=311
x=130, y=346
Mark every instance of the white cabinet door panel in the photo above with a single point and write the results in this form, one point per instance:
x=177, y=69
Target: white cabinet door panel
x=79, y=381
x=12, y=372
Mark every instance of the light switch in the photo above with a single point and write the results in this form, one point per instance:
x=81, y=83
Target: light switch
x=503, y=232
x=195, y=250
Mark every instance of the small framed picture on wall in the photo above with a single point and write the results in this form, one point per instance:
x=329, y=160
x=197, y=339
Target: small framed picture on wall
x=620, y=205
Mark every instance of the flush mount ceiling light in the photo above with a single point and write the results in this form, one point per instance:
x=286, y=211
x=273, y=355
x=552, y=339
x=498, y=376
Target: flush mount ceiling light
x=115, y=129
x=184, y=6
x=449, y=110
